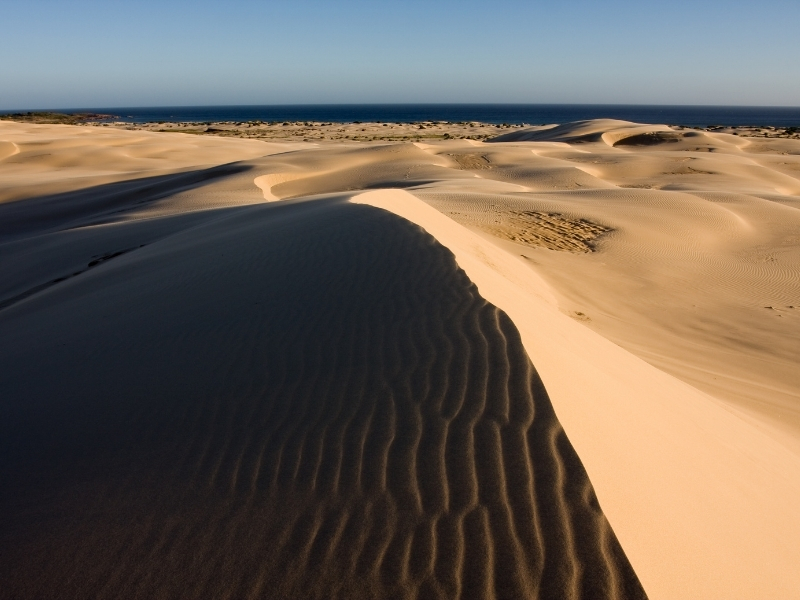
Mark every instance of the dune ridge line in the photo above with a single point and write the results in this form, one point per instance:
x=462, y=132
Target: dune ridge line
x=658, y=452
x=330, y=410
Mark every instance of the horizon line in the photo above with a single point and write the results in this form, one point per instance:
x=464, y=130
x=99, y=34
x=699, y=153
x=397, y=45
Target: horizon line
x=330, y=104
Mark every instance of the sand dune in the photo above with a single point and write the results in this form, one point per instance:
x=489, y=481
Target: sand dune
x=266, y=182
x=610, y=131
x=8, y=149
x=308, y=400
x=37, y=160
x=670, y=228
x=711, y=490
x=99, y=204
x=211, y=393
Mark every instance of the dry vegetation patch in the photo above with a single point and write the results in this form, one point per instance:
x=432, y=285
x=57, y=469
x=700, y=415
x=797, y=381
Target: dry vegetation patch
x=550, y=230
x=471, y=162
x=55, y=118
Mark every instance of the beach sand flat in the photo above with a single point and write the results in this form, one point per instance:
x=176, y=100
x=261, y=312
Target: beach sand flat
x=221, y=378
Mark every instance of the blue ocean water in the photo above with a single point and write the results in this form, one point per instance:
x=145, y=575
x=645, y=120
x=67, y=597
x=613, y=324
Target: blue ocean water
x=531, y=114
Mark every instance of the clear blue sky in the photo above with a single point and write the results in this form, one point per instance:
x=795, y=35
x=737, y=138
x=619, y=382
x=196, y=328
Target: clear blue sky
x=86, y=53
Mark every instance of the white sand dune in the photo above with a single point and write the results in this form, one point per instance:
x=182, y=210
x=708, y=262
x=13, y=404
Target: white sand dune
x=37, y=160
x=8, y=149
x=266, y=182
x=711, y=490
x=610, y=131
x=303, y=400
x=209, y=392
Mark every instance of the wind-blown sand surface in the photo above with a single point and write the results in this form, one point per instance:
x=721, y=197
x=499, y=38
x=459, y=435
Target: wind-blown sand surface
x=207, y=393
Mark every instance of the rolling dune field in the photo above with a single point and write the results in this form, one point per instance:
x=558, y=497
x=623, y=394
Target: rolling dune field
x=560, y=363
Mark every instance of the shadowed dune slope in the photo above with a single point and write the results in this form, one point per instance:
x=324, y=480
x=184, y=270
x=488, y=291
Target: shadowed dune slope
x=103, y=203
x=303, y=400
x=606, y=130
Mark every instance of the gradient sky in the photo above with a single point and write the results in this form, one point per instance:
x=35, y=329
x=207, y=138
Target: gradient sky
x=86, y=53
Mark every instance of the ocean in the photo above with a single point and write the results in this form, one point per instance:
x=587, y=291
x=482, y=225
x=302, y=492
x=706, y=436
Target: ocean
x=531, y=114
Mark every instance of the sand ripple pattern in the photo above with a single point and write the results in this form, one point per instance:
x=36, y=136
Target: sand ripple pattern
x=307, y=401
